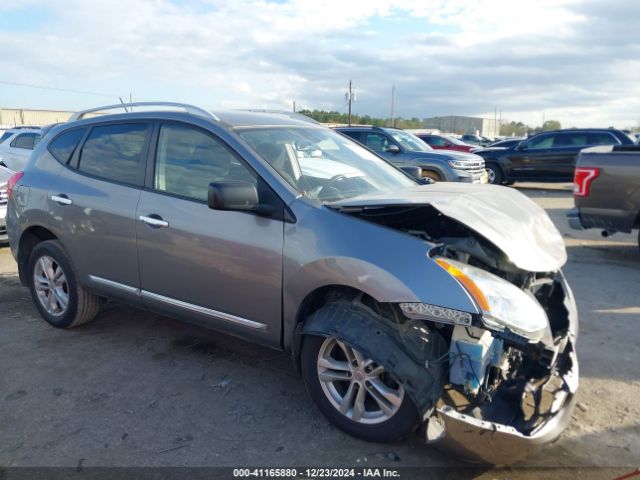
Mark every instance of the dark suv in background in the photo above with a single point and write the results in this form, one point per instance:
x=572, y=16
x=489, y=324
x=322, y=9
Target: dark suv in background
x=404, y=149
x=548, y=156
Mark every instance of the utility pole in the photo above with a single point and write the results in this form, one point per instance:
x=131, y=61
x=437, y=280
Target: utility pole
x=351, y=97
x=393, y=103
x=294, y=106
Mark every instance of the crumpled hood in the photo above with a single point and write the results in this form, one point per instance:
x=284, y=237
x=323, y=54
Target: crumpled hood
x=502, y=215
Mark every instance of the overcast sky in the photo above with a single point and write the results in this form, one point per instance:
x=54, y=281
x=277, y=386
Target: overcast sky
x=574, y=61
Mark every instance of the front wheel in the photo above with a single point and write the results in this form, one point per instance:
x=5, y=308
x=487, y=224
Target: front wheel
x=494, y=174
x=435, y=176
x=354, y=393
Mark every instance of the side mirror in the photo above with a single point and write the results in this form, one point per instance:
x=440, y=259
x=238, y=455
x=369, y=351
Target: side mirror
x=236, y=196
x=521, y=146
x=393, y=149
x=415, y=172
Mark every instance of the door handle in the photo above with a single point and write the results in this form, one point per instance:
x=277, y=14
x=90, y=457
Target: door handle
x=154, y=221
x=62, y=199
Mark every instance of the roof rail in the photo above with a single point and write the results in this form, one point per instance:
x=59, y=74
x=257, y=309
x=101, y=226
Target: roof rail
x=187, y=108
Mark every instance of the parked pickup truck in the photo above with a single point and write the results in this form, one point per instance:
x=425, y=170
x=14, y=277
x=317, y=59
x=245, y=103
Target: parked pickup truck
x=607, y=189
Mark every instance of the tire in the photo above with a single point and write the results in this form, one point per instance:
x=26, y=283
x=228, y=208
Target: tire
x=383, y=428
x=50, y=260
x=496, y=177
x=435, y=176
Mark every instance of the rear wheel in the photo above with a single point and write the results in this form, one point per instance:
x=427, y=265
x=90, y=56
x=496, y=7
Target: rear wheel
x=60, y=299
x=354, y=393
x=494, y=174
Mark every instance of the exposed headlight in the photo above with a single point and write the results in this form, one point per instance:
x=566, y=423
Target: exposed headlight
x=458, y=164
x=502, y=303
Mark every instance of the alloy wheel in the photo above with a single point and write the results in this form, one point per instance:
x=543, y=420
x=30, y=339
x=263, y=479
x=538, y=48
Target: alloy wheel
x=355, y=385
x=51, y=286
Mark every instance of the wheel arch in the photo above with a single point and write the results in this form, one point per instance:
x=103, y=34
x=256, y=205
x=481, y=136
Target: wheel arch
x=407, y=353
x=31, y=237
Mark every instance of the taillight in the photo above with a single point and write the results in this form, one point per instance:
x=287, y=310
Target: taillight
x=582, y=179
x=13, y=179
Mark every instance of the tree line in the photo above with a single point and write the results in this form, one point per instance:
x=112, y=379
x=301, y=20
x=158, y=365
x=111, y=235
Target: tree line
x=507, y=129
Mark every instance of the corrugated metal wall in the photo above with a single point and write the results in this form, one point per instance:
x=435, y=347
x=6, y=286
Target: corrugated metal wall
x=10, y=117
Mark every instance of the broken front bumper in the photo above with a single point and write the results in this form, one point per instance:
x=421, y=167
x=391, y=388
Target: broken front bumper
x=489, y=442
x=483, y=441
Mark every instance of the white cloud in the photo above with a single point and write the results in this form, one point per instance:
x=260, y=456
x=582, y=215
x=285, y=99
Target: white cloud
x=574, y=61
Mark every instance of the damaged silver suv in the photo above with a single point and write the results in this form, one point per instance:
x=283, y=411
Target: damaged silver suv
x=439, y=309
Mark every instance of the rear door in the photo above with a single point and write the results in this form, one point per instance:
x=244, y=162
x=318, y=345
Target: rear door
x=222, y=269
x=94, y=202
x=566, y=146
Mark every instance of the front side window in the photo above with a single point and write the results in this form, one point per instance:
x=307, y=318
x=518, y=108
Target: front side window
x=115, y=152
x=376, y=142
x=435, y=141
x=543, y=141
x=26, y=141
x=5, y=135
x=323, y=165
x=189, y=159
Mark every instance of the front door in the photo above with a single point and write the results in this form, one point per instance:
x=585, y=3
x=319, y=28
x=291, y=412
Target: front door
x=222, y=269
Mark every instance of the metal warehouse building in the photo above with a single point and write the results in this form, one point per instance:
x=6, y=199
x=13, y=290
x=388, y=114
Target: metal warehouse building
x=10, y=117
x=459, y=125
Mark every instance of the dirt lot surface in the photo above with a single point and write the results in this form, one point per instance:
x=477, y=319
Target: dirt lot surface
x=136, y=389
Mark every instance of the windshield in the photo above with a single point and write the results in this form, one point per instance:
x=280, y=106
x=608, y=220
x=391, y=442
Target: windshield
x=322, y=164
x=408, y=141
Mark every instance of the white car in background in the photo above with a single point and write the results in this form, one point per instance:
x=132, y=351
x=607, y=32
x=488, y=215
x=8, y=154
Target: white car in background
x=5, y=173
x=16, y=146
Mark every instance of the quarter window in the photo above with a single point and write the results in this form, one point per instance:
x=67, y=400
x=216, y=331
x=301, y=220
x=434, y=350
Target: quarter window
x=114, y=152
x=64, y=145
x=189, y=159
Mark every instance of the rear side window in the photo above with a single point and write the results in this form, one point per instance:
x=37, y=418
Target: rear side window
x=602, y=138
x=573, y=139
x=26, y=141
x=114, y=152
x=64, y=145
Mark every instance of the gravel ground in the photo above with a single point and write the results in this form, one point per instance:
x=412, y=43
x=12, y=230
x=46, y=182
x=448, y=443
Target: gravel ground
x=137, y=389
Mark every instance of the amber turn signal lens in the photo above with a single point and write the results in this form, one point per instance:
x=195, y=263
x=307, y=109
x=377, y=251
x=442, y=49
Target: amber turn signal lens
x=469, y=284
